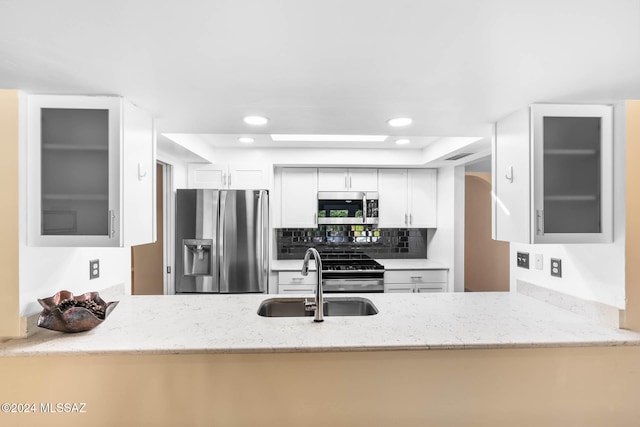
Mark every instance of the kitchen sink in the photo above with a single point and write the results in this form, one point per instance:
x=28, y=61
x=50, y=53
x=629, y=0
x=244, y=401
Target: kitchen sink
x=332, y=306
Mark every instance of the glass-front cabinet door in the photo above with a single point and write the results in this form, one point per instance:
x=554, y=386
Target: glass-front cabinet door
x=572, y=158
x=73, y=155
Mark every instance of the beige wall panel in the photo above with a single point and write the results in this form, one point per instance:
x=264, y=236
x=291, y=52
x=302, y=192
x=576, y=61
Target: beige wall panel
x=9, y=271
x=486, y=261
x=516, y=387
x=147, y=261
x=632, y=270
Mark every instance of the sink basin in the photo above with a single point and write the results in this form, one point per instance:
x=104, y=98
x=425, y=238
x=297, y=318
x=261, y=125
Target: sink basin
x=333, y=306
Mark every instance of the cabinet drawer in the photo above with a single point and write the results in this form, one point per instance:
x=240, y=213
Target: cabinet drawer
x=415, y=276
x=431, y=287
x=296, y=289
x=295, y=278
x=398, y=288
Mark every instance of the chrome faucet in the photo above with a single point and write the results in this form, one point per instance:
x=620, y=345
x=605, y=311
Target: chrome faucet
x=318, y=303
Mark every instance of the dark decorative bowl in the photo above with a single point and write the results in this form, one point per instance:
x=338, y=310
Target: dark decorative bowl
x=65, y=313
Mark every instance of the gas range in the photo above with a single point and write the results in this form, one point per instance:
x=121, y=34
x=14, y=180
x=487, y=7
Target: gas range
x=351, y=265
x=349, y=262
x=351, y=272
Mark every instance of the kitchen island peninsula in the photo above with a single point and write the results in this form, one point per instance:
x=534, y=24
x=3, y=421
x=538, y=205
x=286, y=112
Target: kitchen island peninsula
x=444, y=358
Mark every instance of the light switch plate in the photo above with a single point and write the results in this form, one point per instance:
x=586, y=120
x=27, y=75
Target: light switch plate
x=539, y=261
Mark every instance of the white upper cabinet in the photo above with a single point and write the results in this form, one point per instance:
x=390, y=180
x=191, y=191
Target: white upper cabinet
x=422, y=190
x=91, y=172
x=228, y=176
x=393, y=198
x=407, y=198
x=299, y=197
x=351, y=179
x=553, y=175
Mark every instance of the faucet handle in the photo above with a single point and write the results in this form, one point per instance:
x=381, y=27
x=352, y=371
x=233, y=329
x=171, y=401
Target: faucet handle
x=309, y=305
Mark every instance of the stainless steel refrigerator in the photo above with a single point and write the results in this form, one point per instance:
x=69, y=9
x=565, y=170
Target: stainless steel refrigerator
x=222, y=241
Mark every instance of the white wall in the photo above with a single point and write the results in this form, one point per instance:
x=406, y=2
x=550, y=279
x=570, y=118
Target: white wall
x=590, y=271
x=446, y=243
x=45, y=271
x=178, y=176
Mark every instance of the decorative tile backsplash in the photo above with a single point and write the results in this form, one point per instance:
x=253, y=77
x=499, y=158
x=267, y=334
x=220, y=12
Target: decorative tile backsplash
x=375, y=242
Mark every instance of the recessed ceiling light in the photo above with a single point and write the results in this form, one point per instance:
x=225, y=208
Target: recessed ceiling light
x=246, y=140
x=402, y=141
x=256, y=120
x=329, y=138
x=399, y=122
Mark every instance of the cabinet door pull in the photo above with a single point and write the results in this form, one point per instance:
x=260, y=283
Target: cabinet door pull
x=229, y=179
x=224, y=179
x=539, y=222
x=350, y=183
x=410, y=219
x=509, y=174
x=345, y=183
x=112, y=223
x=406, y=220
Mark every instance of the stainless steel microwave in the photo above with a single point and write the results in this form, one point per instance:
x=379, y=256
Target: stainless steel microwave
x=347, y=207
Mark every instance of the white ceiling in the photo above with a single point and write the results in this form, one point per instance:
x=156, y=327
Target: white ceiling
x=331, y=66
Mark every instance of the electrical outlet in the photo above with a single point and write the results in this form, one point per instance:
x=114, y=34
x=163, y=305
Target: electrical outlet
x=539, y=262
x=523, y=260
x=556, y=267
x=94, y=269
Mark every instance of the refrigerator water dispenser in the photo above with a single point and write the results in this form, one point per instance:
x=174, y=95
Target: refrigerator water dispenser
x=197, y=257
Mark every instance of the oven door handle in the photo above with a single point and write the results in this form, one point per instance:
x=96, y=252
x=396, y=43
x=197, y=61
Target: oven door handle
x=360, y=282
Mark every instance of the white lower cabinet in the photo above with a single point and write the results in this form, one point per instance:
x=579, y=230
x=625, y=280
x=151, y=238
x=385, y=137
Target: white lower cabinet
x=408, y=281
x=293, y=282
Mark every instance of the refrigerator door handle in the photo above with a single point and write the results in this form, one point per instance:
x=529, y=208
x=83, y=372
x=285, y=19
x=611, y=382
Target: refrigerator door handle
x=262, y=233
x=265, y=246
x=222, y=222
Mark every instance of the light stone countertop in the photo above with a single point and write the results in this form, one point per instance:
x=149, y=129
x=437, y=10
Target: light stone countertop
x=175, y=324
x=389, y=264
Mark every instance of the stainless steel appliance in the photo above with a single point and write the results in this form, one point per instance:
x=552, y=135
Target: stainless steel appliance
x=221, y=241
x=351, y=272
x=347, y=207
